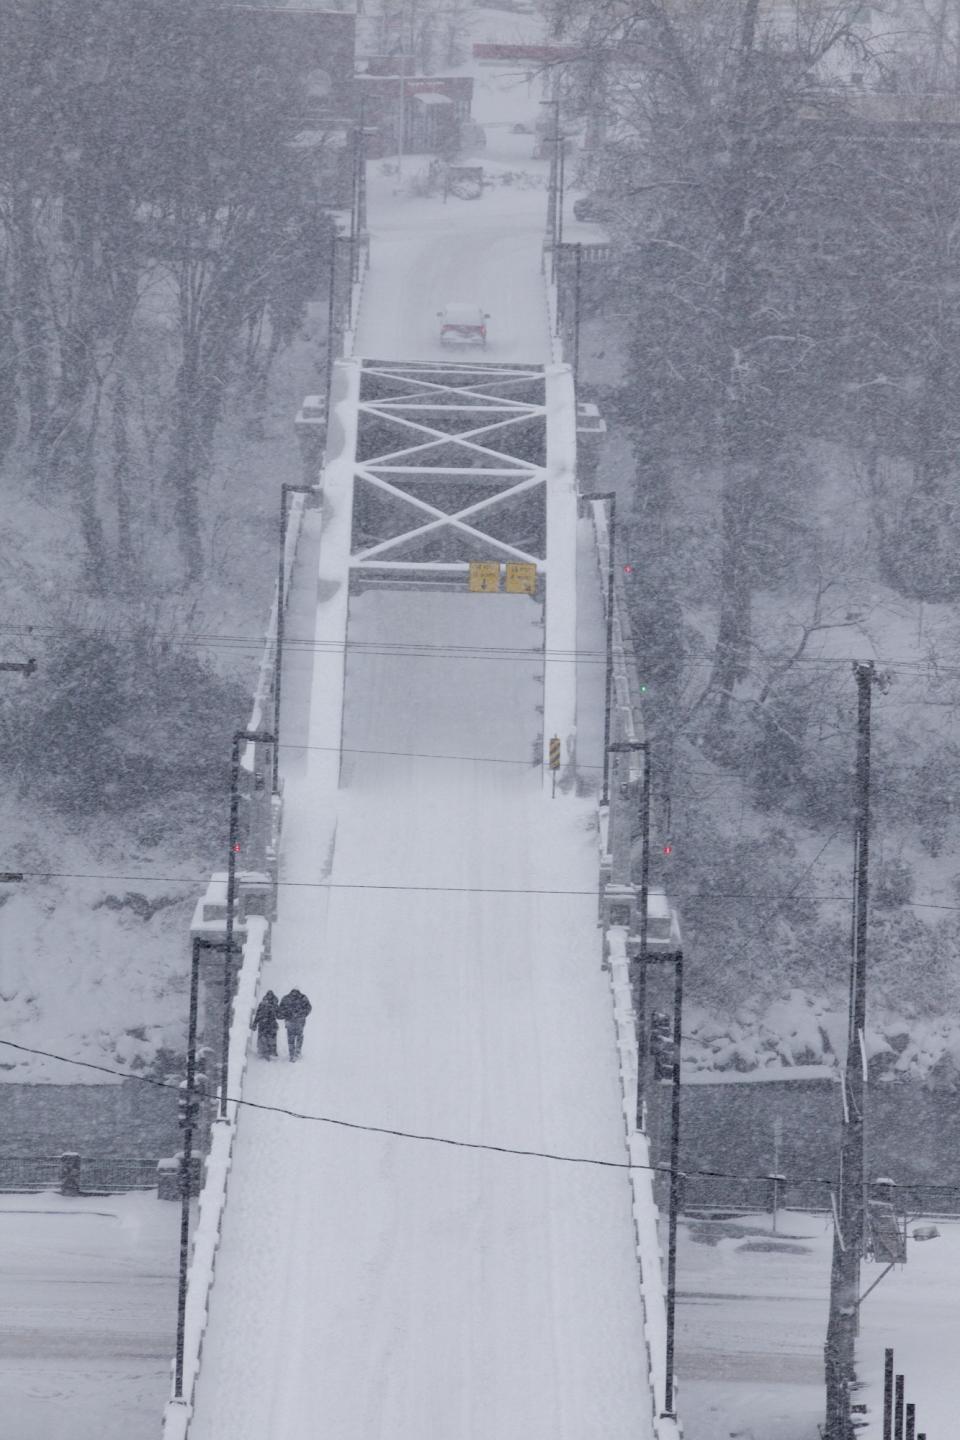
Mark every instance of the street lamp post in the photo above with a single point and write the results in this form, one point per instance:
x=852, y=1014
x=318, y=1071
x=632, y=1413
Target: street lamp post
x=644, y=924
x=675, y=958
x=675, y=1181
x=610, y=497
x=402, y=115
x=561, y=175
x=285, y=491
x=335, y=239
x=552, y=183
x=186, y=1155
x=240, y=737
x=577, y=288
x=186, y=1177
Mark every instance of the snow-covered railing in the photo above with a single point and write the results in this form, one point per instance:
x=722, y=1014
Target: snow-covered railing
x=256, y=932
x=213, y=1194
x=356, y=295
x=645, y=1215
x=261, y=716
x=553, y=304
x=627, y=725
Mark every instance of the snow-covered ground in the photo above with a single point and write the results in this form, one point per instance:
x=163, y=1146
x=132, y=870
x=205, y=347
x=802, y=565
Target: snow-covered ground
x=87, y=1315
x=486, y=251
x=426, y=251
x=751, y=1323
x=752, y=1314
x=914, y=1311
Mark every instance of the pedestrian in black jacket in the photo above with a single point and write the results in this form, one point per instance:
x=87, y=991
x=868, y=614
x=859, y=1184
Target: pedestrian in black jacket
x=293, y=1011
x=266, y=1026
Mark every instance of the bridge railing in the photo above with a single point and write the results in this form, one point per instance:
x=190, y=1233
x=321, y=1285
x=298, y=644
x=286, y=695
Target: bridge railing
x=213, y=1195
x=615, y=871
x=645, y=1212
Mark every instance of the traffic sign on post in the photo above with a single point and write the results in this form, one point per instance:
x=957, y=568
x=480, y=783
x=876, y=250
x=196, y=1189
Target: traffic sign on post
x=521, y=578
x=484, y=576
x=554, y=763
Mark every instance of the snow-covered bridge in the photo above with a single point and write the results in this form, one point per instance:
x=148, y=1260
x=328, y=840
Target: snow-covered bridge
x=460, y=463
x=430, y=1228
x=440, y=910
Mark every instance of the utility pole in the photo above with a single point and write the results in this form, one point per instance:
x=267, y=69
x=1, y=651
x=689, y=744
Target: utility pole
x=552, y=183
x=644, y=925
x=561, y=181
x=354, y=208
x=676, y=1188
x=850, y=1217
x=401, y=118
x=576, y=313
x=611, y=500
x=332, y=308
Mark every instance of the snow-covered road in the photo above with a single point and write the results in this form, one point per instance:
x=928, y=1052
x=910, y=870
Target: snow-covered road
x=425, y=253
x=400, y=1275
x=87, y=1314
x=400, y=1287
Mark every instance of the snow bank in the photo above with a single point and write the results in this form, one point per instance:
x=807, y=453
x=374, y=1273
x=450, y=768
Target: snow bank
x=356, y=295
x=645, y=1215
x=213, y=1196
x=914, y=1312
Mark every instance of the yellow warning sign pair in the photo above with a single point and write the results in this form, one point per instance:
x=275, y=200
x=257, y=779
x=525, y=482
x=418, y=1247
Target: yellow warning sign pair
x=521, y=577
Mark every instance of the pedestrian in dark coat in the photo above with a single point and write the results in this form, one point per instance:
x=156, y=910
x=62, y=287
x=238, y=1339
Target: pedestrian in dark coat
x=293, y=1011
x=266, y=1025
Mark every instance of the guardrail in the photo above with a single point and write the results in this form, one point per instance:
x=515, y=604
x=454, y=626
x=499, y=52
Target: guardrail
x=74, y=1174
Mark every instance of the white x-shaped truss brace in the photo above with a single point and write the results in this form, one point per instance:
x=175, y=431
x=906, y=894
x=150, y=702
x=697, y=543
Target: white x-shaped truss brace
x=479, y=396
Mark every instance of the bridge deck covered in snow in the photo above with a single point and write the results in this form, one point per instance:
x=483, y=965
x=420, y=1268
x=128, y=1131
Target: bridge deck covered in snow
x=428, y=1230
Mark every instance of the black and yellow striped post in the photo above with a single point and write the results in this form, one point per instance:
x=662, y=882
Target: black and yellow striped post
x=554, y=763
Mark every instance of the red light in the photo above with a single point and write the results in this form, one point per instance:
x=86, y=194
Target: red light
x=628, y=569
x=236, y=849
x=668, y=849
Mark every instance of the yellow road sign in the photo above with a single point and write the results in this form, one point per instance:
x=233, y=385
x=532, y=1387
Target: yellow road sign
x=555, y=753
x=484, y=575
x=521, y=578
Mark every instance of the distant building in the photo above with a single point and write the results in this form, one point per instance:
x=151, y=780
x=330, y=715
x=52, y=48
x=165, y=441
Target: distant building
x=434, y=108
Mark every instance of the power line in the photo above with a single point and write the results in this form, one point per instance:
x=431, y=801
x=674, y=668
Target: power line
x=450, y=1141
x=906, y=665
x=462, y=889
